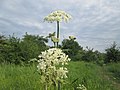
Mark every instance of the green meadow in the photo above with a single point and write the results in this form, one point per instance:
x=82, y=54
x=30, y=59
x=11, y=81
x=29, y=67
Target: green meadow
x=92, y=76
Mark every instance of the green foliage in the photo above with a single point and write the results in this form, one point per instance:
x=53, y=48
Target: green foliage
x=14, y=77
x=112, y=54
x=114, y=69
x=71, y=47
x=19, y=51
x=10, y=50
x=78, y=56
x=3, y=48
x=31, y=46
x=90, y=55
x=76, y=52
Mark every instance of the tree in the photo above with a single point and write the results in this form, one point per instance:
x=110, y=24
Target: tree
x=58, y=16
x=20, y=51
x=3, y=48
x=71, y=47
x=10, y=50
x=90, y=55
x=32, y=46
x=112, y=54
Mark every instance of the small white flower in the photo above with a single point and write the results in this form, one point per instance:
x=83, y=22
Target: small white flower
x=51, y=64
x=58, y=16
x=81, y=87
x=61, y=72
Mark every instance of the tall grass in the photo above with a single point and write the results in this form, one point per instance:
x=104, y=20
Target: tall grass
x=90, y=75
x=19, y=78
x=14, y=77
x=114, y=69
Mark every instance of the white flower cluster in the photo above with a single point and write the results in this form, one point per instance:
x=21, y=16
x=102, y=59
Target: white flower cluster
x=58, y=16
x=81, y=87
x=52, y=64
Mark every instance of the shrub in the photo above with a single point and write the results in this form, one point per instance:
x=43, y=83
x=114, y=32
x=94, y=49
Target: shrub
x=71, y=47
x=19, y=51
x=112, y=54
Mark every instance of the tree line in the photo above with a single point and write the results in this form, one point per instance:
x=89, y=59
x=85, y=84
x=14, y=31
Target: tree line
x=21, y=51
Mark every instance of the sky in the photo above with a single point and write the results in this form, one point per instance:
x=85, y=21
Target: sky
x=95, y=23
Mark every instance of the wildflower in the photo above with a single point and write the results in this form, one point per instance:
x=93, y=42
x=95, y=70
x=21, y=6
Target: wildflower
x=52, y=65
x=81, y=87
x=58, y=16
x=61, y=72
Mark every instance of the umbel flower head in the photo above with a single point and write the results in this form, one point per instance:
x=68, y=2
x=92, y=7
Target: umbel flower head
x=52, y=65
x=58, y=16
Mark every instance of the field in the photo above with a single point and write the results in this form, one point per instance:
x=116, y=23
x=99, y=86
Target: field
x=92, y=76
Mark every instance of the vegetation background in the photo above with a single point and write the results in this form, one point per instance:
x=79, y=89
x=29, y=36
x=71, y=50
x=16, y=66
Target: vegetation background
x=96, y=70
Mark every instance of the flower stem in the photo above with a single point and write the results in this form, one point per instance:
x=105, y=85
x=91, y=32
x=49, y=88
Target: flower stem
x=58, y=85
x=45, y=87
x=58, y=30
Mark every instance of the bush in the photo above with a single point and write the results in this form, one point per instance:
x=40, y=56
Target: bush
x=19, y=51
x=112, y=54
x=71, y=47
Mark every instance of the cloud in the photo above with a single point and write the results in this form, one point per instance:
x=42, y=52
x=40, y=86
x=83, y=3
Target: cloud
x=95, y=23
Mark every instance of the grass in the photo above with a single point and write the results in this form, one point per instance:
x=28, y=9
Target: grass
x=90, y=75
x=19, y=78
x=14, y=77
x=114, y=71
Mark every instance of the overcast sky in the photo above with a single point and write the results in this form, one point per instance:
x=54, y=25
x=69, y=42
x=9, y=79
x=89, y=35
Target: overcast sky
x=95, y=23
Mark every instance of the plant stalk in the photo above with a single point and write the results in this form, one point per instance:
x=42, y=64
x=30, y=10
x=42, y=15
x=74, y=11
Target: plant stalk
x=45, y=87
x=59, y=85
x=58, y=31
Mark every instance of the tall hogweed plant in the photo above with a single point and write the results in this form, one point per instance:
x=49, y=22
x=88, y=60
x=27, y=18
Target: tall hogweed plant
x=58, y=16
x=52, y=62
x=52, y=67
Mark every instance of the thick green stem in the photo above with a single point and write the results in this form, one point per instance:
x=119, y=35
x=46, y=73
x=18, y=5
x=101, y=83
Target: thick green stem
x=59, y=85
x=55, y=87
x=54, y=44
x=45, y=87
x=58, y=30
